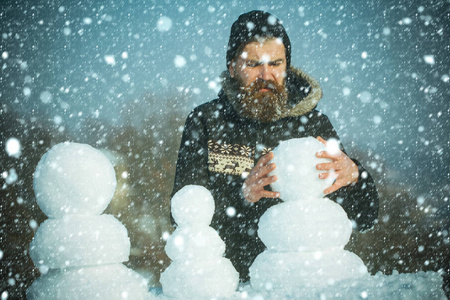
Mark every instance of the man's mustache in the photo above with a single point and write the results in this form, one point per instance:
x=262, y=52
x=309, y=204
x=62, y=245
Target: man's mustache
x=264, y=84
x=260, y=84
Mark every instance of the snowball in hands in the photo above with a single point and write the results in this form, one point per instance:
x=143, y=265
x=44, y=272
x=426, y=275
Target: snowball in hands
x=74, y=178
x=296, y=171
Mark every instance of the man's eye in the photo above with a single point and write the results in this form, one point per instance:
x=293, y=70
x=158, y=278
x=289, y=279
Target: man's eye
x=252, y=64
x=276, y=63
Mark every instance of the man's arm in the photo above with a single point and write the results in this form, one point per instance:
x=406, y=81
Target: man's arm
x=360, y=198
x=192, y=162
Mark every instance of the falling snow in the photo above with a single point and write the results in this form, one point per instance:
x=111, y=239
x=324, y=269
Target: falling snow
x=123, y=77
x=164, y=24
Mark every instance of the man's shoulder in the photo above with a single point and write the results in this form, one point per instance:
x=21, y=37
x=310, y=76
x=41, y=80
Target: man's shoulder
x=208, y=105
x=315, y=114
x=207, y=108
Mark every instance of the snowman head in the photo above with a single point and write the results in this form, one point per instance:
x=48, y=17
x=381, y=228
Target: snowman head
x=297, y=176
x=74, y=178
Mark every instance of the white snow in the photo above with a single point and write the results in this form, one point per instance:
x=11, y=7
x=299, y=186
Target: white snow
x=87, y=20
x=298, y=172
x=179, y=61
x=11, y=176
x=193, y=205
x=306, y=225
x=76, y=241
x=79, y=252
x=208, y=279
x=96, y=282
x=164, y=24
x=26, y=91
x=283, y=271
x=194, y=243
x=429, y=59
x=365, y=97
x=305, y=236
x=74, y=178
x=198, y=269
x=67, y=31
x=13, y=147
x=377, y=119
x=110, y=60
x=346, y=91
x=46, y=97
x=305, y=259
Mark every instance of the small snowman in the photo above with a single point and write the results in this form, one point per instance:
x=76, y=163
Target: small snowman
x=305, y=235
x=78, y=250
x=198, y=269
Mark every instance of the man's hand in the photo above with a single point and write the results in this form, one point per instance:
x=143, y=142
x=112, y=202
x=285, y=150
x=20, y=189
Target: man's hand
x=344, y=168
x=258, y=178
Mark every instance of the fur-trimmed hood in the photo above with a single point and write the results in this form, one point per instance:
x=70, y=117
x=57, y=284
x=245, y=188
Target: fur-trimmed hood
x=304, y=92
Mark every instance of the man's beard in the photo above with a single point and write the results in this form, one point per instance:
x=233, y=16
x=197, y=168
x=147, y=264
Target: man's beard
x=263, y=106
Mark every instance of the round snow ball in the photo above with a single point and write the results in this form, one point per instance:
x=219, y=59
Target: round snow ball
x=192, y=205
x=297, y=176
x=74, y=178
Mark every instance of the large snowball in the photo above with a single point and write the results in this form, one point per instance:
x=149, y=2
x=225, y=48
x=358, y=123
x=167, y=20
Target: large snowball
x=74, y=178
x=194, y=243
x=193, y=205
x=296, y=170
x=112, y=282
x=209, y=279
x=306, y=225
x=290, y=271
x=75, y=241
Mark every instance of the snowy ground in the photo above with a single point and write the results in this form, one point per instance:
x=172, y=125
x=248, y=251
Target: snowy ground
x=421, y=285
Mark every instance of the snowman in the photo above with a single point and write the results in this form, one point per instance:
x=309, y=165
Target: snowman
x=79, y=251
x=305, y=235
x=198, y=269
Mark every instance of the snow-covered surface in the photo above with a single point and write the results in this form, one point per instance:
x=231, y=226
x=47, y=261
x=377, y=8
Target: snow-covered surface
x=114, y=281
x=414, y=286
x=286, y=272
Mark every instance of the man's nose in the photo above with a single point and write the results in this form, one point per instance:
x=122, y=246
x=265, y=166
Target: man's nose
x=265, y=72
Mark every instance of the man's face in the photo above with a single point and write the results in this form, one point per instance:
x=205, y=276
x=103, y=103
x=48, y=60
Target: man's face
x=265, y=60
x=259, y=72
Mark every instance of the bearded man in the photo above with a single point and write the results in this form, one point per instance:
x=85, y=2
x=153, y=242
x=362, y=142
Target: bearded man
x=226, y=142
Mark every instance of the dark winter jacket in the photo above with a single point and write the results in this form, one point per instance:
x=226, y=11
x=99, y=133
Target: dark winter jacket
x=218, y=145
